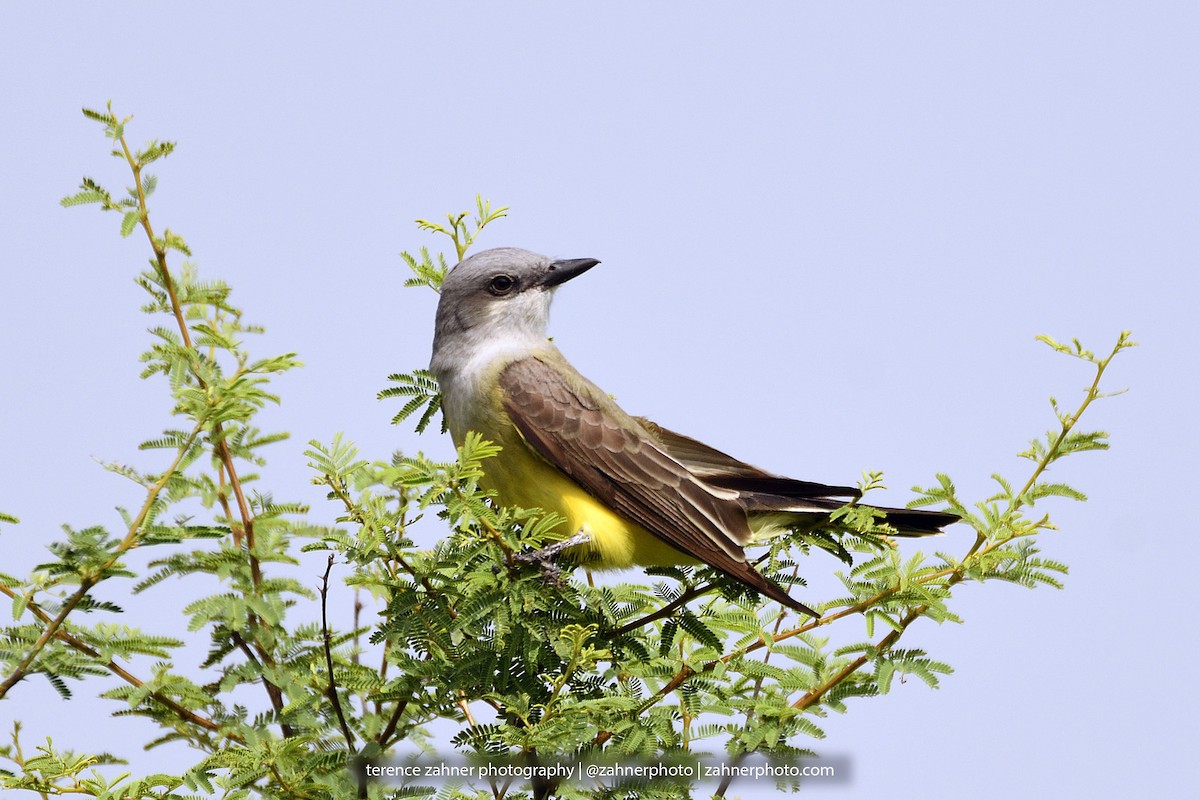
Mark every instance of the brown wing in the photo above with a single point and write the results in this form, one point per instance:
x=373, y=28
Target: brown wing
x=578, y=430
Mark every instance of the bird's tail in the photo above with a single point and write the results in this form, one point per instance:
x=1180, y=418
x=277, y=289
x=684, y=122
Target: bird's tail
x=785, y=503
x=767, y=523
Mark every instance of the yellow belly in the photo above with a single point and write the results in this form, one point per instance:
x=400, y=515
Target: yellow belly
x=521, y=478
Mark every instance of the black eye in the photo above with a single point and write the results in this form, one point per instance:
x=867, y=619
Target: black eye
x=502, y=284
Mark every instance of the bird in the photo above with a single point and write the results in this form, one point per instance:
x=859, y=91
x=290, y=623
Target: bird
x=633, y=492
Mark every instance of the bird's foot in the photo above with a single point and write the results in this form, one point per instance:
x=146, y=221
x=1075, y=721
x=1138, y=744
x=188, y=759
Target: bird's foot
x=544, y=557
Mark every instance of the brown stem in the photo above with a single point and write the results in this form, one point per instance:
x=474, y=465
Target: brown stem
x=665, y=611
x=85, y=585
x=18, y=756
x=160, y=260
x=885, y=643
x=340, y=490
x=958, y=574
x=274, y=694
x=384, y=738
x=83, y=647
x=331, y=691
x=953, y=576
x=88, y=581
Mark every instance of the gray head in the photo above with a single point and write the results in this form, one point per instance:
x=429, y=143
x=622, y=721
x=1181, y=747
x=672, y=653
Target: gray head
x=497, y=296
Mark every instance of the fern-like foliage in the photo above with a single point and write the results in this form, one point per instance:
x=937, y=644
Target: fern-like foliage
x=421, y=387
x=430, y=271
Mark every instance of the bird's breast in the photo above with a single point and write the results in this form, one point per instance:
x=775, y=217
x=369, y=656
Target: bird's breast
x=522, y=478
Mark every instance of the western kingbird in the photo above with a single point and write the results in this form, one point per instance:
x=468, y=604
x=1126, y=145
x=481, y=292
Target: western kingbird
x=640, y=493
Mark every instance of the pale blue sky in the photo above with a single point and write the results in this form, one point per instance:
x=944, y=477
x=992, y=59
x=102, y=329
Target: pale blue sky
x=829, y=235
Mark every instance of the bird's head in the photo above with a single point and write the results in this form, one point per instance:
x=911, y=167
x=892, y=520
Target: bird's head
x=502, y=294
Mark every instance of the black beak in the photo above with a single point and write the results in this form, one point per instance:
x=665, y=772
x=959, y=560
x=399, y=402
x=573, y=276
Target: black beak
x=562, y=271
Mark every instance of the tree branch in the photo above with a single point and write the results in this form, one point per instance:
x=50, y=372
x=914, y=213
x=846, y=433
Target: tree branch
x=87, y=582
x=112, y=666
x=274, y=694
x=331, y=691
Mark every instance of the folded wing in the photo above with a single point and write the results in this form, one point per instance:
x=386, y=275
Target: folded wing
x=575, y=427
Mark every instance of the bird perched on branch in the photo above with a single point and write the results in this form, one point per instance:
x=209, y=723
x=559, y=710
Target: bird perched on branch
x=636, y=492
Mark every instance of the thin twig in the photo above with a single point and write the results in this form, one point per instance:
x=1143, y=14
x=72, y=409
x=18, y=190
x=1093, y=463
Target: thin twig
x=952, y=576
x=331, y=691
x=112, y=666
x=977, y=549
x=666, y=611
x=727, y=779
x=274, y=694
x=384, y=737
x=87, y=582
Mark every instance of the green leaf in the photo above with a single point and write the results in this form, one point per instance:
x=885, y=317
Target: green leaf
x=130, y=221
x=83, y=197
